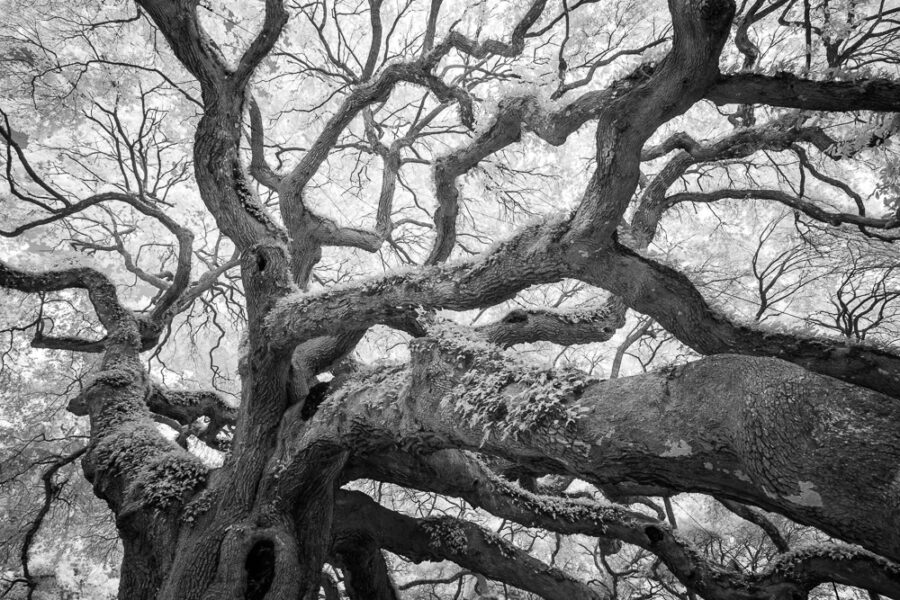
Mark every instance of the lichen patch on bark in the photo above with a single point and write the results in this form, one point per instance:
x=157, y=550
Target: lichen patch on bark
x=807, y=496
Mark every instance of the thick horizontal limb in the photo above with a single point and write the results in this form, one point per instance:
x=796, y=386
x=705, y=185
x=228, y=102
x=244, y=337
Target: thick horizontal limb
x=790, y=91
x=528, y=259
x=582, y=326
x=756, y=430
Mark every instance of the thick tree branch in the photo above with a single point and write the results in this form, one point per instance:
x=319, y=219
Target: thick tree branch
x=188, y=406
x=464, y=543
x=582, y=326
x=753, y=429
x=528, y=259
x=462, y=475
x=262, y=44
x=789, y=91
x=537, y=256
x=675, y=303
x=224, y=186
x=681, y=79
x=127, y=454
x=100, y=289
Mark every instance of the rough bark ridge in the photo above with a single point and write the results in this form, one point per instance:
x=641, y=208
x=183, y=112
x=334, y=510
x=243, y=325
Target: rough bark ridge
x=792, y=425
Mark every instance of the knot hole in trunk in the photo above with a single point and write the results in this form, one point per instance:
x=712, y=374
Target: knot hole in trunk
x=260, y=568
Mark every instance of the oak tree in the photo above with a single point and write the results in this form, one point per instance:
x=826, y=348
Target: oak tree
x=328, y=176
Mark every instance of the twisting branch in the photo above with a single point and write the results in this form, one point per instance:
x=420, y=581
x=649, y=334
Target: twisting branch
x=505, y=130
x=273, y=22
x=784, y=133
x=660, y=93
x=220, y=175
x=100, y=289
x=527, y=259
x=145, y=203
x=464, y=543
x=495, y=47
x=309, y=231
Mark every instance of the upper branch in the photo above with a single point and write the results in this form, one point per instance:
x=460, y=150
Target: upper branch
x=495, y=47
x=259, y=48
x=660, y=94
x=669, y=297
x=178, y=22
x=100, y=289
x=528, y=259
x=790, y=91
x=300, y=221
x=808, y=208
x=217, y=162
